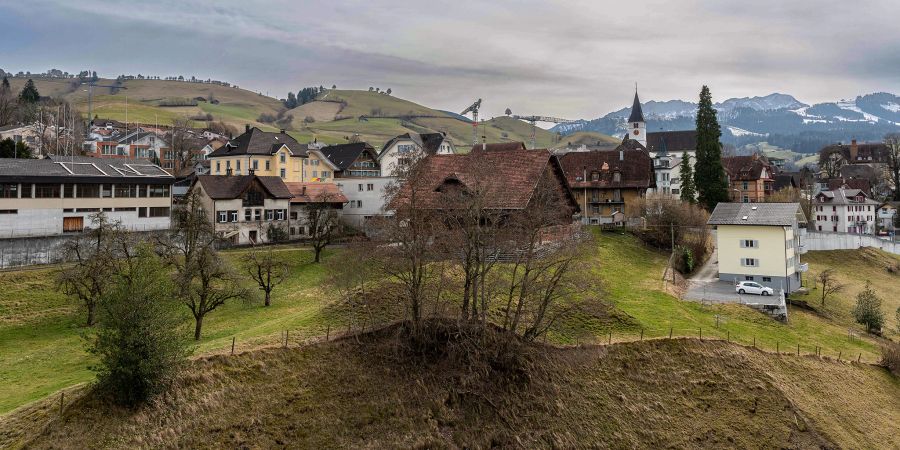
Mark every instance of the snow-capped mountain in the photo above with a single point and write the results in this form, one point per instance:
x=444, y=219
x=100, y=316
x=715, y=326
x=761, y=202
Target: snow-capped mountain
x=779, y=119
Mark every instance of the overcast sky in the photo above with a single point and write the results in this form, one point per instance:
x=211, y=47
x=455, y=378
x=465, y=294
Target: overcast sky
x=572, y=59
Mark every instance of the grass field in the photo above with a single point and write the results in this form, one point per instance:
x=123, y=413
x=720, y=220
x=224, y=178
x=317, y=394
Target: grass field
x=589, y=138
x=41, y=350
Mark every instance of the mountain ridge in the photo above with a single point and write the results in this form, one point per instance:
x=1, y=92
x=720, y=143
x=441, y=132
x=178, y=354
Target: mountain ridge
x=777, y=118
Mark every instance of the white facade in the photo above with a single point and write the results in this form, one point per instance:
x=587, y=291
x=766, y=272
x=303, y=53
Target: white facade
x=667, y=167
x=638, y=132
x=242, y=224
x=845, y=211
x=365, y=197
x=403, y=148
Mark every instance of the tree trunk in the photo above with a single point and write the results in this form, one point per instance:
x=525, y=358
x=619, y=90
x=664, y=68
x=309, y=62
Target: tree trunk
x=268, y=298
x=197, y=326
x=318, y=252
x=90, y=316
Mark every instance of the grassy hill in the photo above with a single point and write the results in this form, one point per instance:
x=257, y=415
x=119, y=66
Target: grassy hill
x=332, y=118
x=589, y=138
x=41, y=350
x=364, y=392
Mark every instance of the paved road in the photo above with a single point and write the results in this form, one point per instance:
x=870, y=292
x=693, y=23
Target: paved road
x=706, y=287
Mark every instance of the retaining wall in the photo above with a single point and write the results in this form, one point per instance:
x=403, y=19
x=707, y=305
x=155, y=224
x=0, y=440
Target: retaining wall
x=815, y=241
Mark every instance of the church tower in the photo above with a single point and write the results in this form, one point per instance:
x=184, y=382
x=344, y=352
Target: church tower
x=637, y=128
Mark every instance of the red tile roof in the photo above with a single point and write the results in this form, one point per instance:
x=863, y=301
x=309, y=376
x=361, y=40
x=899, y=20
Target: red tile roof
x=508, y=179
x=635, y=169
x=747, y=168
x=499, y=147
x=316, y=192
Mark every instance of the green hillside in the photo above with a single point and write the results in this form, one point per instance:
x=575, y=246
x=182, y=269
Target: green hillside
x=337, y=115
x=588, y=138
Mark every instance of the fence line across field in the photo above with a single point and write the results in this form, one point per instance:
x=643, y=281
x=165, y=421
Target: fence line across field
x=292, y=338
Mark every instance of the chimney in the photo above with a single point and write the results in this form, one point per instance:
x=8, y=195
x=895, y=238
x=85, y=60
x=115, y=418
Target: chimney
x=854, y=150
x=282, y=131
x=246, y=128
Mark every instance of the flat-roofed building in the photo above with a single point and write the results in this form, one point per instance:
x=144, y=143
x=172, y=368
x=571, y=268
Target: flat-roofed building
x=56, y=195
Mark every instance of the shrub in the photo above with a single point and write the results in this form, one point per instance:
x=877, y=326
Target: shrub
x=669, y=219
x=868, y=310
x=309, y=119
x=276, y=234
x=137, y=342
x=890, y=357
x=266, y=118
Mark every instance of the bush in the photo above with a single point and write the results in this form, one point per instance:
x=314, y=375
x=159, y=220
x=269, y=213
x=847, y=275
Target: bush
x=667, y=219
x=276, y=234
x=890, y=357
x=137, y=342
x=868, y=310
x=266, y=118
x=309, y=119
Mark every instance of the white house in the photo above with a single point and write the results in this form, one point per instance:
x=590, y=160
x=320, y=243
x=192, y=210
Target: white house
x=887, y=214
x=401, y=149
x=845, y=210
x=56, y=195
x=759, y=242
x=365, y=198
x=246, y=209
x=668, y=150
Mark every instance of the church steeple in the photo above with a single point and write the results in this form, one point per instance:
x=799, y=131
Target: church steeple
x=637, y=128
x=637, y=115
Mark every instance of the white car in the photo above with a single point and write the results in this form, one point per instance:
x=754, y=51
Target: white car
x=749, y=287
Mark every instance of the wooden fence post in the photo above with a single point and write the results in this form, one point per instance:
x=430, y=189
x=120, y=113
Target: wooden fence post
x=728, y=335
x=62, y=397
x=328, y=333
x=232, y=345
x=839, y=354
x=778, y=347
x=798, y=349
x=287, y=337
x=858, y=357
x=642, y=334
x=610, y=339
x=701, y=333
x=754, y=341
x=670, y=332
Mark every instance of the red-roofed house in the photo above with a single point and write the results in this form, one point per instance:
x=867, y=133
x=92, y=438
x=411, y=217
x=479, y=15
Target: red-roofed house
x=751, y=178
x=311, y=195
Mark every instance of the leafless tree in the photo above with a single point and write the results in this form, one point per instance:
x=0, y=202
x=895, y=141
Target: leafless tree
x=267, y=270
x=95, y=256
x=182, y=143
x=893, y=143
x=206, y=281
x=831, y=161
x=323, y=222
x=7, y=105
x=830, y=284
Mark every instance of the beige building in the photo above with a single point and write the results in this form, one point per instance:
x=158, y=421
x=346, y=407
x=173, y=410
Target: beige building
x=246, y=209
x=264, y=153
x=56, y=195
x=759, y=242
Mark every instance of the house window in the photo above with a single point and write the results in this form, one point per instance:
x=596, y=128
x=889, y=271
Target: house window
x=248, y=214
x=158, y=211
x=749, y=262
x=46, y=190
x=281, y=157
x=159, y=190
x=257, y=215
x=283, y=173
x=142, y=212
x=218, y=166
x=270, y=214
x=255, y=164
x=749, y=243
x=748, y=278
x=746, y=199
x=746, y=185
x=11, y=190
x=325, y=174
x=234, y=215
x=767, y=279
x=222, y=216
x=370, y=187
x=268, y=165
x=279, y=214
x=359, y=203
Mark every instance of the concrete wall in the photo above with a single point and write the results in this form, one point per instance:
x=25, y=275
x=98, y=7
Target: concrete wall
x=29, y=251
x=844, y=241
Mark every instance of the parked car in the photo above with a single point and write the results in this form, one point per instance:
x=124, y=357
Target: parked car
x=749, y=287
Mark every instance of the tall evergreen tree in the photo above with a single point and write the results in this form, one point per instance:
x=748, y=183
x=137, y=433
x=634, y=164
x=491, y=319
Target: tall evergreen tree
x=688, y=189
x=709, y=177
x=29, y=93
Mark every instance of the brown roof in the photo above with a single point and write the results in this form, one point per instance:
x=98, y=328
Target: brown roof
x=879, y=152
x=225, y=187
x=499, y=147
x=747, y=168
x=852, y=183
x=509, y=184
x=316, y=192
x=258, y=142
x=634, y=167
x=676, y=141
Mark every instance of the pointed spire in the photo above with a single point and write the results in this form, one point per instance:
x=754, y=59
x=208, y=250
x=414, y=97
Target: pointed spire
x=663, y=151
x=637, y=115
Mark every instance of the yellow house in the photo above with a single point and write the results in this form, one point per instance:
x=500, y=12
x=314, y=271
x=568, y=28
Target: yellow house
x=759, y=242
x=267, y=153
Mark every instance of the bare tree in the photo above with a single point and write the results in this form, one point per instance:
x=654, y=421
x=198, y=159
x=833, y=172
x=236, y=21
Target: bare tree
x=831, y=161
x=323, y=222
x=182, y=144
x=95, y=261
x=830, y=284
x=893, y=143
x=7, y=103
x=206, y=281
x=267, y=270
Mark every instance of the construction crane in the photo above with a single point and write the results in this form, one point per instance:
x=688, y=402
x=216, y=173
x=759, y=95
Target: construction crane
x=535, y=119
x=473, y=108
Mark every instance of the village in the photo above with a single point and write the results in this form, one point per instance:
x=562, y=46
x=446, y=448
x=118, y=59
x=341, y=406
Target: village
x=654, y=236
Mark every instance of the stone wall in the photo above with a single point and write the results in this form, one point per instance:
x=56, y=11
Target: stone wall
x=30, y=251
x=815, y=241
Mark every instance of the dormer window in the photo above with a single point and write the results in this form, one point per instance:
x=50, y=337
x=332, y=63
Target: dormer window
x=595, y=176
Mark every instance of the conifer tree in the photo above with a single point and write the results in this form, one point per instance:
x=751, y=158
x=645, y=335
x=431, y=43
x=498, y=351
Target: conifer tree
x=688, y=189
x=709, y=176
x=29, y=93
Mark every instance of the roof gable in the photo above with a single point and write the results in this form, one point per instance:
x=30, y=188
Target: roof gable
x=761, y=214
x=258, y=142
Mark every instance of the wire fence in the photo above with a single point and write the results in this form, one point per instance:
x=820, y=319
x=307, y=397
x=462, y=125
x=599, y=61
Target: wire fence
x=301, y=337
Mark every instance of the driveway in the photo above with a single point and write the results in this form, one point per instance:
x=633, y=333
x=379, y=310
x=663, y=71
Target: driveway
x=706, y=287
